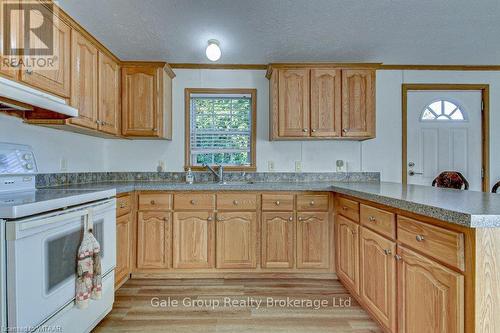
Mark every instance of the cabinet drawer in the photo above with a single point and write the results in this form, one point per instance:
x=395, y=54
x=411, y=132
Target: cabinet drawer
x=237, y=201
x=442, y=244
x=277, y=202
x=155, y=201
x=312, y=202
x=378, y=220
x=192, y=201
x=123, y=205
x=348, y=208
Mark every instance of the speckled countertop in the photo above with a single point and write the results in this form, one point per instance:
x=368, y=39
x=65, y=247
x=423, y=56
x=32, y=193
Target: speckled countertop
x=467, y=208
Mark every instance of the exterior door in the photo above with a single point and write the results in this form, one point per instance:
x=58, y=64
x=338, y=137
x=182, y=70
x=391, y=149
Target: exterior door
x=326, y=102
x=347, y=242
x=277, y=240
x=140, y=102
x=153, y=239
x=313, y=246
x=430, y=296
x=236, y=240
x=378, y=276
x=358, y=103
x=109, y=95
x=444, y=134
x=294, y=108
x=84, y=81
x=57, y=80
x=193, y=240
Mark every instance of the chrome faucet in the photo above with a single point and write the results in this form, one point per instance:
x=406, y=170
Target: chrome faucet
x=219, y=176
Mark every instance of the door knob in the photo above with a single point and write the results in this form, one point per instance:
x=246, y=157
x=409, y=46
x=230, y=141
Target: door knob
x=411, y=164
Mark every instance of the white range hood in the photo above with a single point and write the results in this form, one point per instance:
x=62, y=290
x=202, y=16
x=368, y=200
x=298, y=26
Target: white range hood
x=12, y=92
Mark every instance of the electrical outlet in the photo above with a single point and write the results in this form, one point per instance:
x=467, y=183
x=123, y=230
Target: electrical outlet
x=270, y=165
x=161, y=166
x=63, y=164
x=298, y=166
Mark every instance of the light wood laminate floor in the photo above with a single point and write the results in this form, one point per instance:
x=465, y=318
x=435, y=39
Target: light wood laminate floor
x=133, y=310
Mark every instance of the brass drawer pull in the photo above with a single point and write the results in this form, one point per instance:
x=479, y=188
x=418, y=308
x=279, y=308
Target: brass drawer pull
x=165, y=219
x=312, y=203
x=277, y=203
x=301, y=218
x=235, y=202
x=344, y=208
x=371, y=219
x=209, y=219
x=387, y=252
x=122, y=205
x=153, y=202
x=193, y=202
x=290, y=218
x=398, y=257
x=420, y=238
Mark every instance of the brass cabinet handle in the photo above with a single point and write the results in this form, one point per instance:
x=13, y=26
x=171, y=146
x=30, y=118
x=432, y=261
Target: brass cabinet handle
x=301, y=218
x=344, y=130
x=165, y=219
x=371, y=219
x=312, y=203
x=398, y=257
x=235, y=202
x=387, y=252
x=277, y=203
x=123, y=205
x=290, y=218
x=420, y=238
x=153, y=202
x=209, y=218
x=313, y=130
x=193, y=202
x=29, y=70
x=344, y=208
x=305, y=130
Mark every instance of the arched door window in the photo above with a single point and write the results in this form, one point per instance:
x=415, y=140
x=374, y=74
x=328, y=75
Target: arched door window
x=443, y=110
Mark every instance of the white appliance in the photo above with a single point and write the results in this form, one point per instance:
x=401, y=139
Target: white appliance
x=16, y=96
x=41, y=231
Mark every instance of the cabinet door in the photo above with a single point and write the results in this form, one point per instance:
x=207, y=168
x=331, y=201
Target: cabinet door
x=84, y=80
x=431, y=296
x=123, y=247
x=109, y=95
x=347, y=242
x=358, y=103
x=9, y=71
x=57, y=80
x=313, y=242
x=193, y=240
x=378, y=276
x=153, y=239
x=140, y=107
x=236, y=239
x=277, y=240
x=326, y=102
x=293, y=103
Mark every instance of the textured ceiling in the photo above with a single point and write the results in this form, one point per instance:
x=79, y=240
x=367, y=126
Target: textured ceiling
x=263, y=31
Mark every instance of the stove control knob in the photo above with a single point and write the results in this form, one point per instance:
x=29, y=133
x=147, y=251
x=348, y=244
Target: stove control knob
x=28, y=166
x=27, y=157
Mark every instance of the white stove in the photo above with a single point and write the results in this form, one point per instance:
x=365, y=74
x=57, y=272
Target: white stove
x=40, y=232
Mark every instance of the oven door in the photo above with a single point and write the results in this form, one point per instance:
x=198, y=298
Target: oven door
x=41, y=260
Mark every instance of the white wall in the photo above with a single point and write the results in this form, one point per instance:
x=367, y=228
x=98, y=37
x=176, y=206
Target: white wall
x=381, y=154
x=83, y=153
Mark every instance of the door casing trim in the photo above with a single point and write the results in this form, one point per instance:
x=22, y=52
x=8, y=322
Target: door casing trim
x=485, y=123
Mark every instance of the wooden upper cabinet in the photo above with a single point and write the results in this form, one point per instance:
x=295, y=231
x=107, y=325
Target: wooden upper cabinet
x=109, y=95
x=321, y=101
x=378, y=276
x=326, y=102
x=147, y=100
x=8, y=71
x=430, y=296
x=153, y=239
x=193, y=240
x=293, y=103
x=313, y=245
x=57, y=80
x=347, y=250
x=358, y=103
x=236, y=239
x=84, y=81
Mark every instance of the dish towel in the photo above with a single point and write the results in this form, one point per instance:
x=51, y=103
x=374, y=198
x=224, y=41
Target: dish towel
x=89, y=279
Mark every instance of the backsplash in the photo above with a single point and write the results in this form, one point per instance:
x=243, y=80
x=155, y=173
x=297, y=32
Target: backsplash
x=60, y=179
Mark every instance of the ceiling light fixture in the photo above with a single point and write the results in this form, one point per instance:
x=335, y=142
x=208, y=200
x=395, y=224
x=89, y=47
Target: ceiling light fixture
x=213, y=51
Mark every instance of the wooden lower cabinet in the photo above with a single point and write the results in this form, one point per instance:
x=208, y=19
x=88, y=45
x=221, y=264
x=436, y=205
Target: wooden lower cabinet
x=277, y=239
x=153, y=239
x=378, y=276
x=193, y=240
x=236, y=240
x=123, y=247
x=347, y=249
x=313, y=246
x=431, y=296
